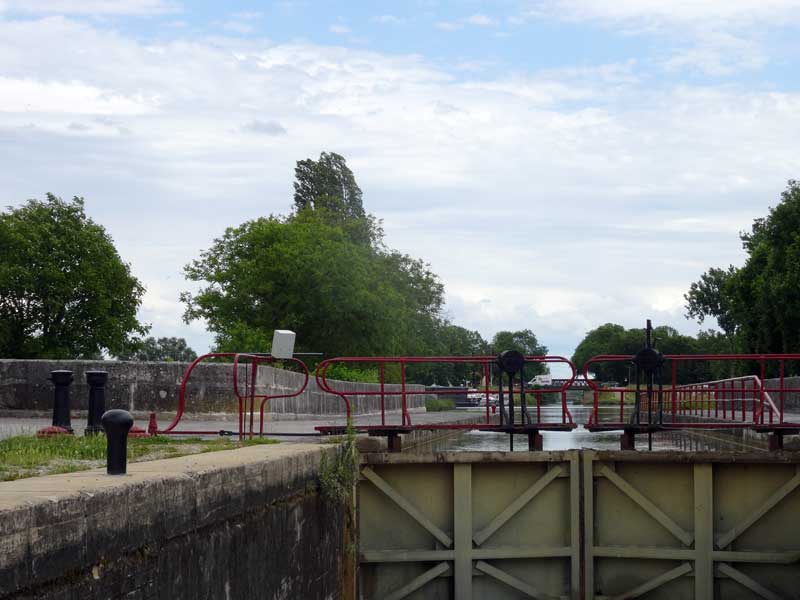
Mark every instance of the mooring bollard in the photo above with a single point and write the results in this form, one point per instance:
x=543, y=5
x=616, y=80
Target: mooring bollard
x=97, y=401
x=117, y=423
x=61, y=420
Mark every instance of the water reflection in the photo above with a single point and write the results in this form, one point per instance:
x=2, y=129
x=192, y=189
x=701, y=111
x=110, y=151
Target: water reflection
x=483, y=441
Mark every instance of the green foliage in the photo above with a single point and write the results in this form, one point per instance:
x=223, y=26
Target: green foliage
x=27, y=456
x=328, y=187
x=758, y=304
x=435, y=404
x=324, y=273
x=327, y=183
x=337, y=475
x=64, y=290
x=304, y=274
x=167, y=349
x=343, y=372
x=615, y=339
x=708, y=297
x=523, y=341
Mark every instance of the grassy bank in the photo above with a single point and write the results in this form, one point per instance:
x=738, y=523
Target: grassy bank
x=28, y=456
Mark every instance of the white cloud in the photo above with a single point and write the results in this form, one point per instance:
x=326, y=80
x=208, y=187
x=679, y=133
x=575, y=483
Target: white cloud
x=741, y=12
x=69, y=97
x=235, y=26
x=91, y=7
x=480, y=20
x=717, y=53
x=339, y=29
x=389, y=20
x=565, y=198
x=712, y=37
x=265, y=127
x=477, y=19
x=449, y=26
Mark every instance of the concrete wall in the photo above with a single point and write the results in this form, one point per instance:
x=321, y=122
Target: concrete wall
x=791, y=400
x=153, y=386
x=241, y=524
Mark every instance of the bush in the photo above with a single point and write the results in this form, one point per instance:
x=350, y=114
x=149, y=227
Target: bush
x=433, y=404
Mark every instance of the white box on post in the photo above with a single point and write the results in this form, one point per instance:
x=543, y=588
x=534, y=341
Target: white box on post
x=282, y=343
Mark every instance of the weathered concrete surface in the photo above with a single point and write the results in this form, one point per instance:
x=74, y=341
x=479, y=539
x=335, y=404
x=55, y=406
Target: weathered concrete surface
x=154, y=386
x=19, y=425
x=245, y=523
x=791, y=400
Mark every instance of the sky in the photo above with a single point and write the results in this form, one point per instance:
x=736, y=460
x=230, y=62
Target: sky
x=559, y=163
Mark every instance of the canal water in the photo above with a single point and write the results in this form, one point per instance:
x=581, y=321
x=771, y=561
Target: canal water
x=485, y=441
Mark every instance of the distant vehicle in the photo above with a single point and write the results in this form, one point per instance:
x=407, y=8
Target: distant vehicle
x=541, y=380
x=475, y=399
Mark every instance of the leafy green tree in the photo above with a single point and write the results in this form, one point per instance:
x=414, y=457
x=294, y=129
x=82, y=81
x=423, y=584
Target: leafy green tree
x=765, y=301
x=523, y=341
x=446, y=339
x=305, y=274
x=327, y=183
x=710, y=297
x=165, y=349
x=616, y=340
x=328, y=187
x=64, y=290
x=758, y=304
x=609, y=338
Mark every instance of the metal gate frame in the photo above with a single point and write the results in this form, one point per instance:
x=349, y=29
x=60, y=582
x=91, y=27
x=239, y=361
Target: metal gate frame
x=666, y=524
x=703, y=548
x=463, y=552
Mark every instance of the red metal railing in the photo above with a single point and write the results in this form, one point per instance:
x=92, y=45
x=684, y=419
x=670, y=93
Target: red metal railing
x=484, y=365
x=726, y=403
x=245, y=397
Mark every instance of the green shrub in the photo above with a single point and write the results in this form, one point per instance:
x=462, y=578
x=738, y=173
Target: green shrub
x=434, y=404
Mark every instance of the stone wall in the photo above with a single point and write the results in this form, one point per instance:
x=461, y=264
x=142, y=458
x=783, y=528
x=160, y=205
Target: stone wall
x=154, y=386
x=246, y=523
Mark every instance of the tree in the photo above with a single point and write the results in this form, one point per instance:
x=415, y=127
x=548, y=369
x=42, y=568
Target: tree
x=164, y=349
x=64, y=290
x=327, y=183
x=305, y=274
x=447, y=339
x=606, y=339
x=758, y=304
x=710, y=298
x=328, y=187
x=616, y=340
x=523, y=341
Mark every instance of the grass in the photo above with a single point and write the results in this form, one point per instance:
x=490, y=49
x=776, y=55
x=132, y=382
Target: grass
x=607, y=398
x=439, y=404
x=28, y=456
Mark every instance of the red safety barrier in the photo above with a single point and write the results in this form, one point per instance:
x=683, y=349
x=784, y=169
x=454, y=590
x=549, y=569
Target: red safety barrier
x=737, y=402
x=484, y=364
x=245, y=397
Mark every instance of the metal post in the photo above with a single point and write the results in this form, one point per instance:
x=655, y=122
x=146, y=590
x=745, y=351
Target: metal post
x=61, y=420
x=627, y=441
x=117, y=423
x=394, y=443
x=97, y=401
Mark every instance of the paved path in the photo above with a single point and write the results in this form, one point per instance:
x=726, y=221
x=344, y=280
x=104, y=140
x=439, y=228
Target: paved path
x=10, y=426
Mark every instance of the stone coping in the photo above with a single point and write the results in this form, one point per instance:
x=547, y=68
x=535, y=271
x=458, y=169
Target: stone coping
x=56, y=525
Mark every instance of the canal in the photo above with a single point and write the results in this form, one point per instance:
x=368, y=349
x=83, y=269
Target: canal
x=485, y=441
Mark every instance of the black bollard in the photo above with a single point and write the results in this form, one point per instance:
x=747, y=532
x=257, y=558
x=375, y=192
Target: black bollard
x=97, y=401
x=62, y=381
x=117, y=423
